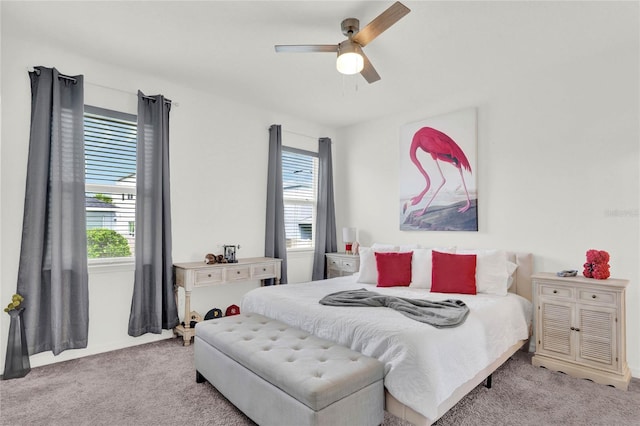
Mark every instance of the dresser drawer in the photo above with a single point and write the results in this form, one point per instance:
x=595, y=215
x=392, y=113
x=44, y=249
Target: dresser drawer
x=238, y=273
x=556, y=291
x=597, y=296
x=208, y=276
x=265, y=270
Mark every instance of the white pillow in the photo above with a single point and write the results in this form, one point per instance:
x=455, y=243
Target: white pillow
x=382, y=247
x=403, y=248
x=421, y=266
x=511, y=270
x=492, y=272
x=368, y=268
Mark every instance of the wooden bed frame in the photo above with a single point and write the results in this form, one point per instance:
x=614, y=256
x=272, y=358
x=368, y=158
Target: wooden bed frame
x=521, y=286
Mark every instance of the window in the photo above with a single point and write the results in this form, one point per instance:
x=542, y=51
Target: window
x=300, y=182
x=110, y=182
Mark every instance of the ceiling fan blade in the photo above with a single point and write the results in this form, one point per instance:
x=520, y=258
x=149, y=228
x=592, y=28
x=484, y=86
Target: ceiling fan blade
x=381, y=23
x=306, y=48
x=369, y=72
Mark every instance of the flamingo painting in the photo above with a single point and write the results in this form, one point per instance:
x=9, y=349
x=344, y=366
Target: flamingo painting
x=442, y=149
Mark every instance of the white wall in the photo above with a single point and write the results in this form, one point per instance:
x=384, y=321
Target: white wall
x=218, y=173
x=558, y=170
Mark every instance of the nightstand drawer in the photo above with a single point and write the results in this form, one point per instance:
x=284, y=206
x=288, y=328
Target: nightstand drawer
x=334, y=263
x=345, y=265
x=600, y=297
x=340, y=264
x=349, y=266
x=556, y=291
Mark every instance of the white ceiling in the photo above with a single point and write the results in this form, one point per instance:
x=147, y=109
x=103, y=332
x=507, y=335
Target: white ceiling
x=226, y=47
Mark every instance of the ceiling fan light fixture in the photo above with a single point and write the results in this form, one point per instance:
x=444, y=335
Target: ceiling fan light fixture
x=350, y=60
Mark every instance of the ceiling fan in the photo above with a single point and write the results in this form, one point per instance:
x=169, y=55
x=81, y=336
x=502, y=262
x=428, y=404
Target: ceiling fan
x=351, y=58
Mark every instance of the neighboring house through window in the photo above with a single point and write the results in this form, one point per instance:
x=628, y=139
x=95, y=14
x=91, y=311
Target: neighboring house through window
x=300, y=182
x=110, y=174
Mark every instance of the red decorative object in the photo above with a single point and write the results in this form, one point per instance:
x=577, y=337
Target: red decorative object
x=597, y=265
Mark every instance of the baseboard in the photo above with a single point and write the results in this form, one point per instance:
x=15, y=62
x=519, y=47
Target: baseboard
x=46, y=358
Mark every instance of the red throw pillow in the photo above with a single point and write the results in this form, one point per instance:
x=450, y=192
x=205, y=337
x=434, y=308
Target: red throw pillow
x=394, y=269
x=453, y=273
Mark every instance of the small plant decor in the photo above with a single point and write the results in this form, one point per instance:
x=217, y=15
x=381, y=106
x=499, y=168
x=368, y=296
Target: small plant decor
x=16, y=300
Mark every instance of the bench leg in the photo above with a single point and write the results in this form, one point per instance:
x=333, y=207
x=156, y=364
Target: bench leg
x=199, y=377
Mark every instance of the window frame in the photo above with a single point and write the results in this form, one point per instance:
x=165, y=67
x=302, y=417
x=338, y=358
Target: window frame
x=299, y=201
x=105, y=264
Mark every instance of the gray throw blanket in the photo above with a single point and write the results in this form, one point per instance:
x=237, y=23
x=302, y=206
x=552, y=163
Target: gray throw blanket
x=440, y=314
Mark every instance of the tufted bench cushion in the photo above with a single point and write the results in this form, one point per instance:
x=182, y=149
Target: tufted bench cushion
x=333, y=383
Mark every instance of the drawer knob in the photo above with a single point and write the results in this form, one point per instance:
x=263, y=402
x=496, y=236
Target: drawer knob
x=555, y=291
x=593, y=296
x=209, y=275
x=238, y=272
x=264, y=269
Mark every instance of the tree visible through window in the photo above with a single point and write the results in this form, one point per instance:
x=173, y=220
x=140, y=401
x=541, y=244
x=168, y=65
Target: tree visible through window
x=299, y=179
x=110, y=174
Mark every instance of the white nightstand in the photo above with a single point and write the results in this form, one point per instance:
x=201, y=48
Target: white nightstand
x=341, y=264
x=580, y=327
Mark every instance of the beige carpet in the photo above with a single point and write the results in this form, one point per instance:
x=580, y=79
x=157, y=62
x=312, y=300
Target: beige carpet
x=154, y=384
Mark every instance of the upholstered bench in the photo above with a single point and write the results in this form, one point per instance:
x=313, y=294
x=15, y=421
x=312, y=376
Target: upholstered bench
x=279, y=375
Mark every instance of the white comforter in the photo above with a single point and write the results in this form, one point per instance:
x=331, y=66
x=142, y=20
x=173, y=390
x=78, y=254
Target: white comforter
x=423, y=365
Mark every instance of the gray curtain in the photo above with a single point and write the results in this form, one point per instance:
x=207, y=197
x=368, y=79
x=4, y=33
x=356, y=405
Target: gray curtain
x=52, y=274
x=325, y=215
x=275, y=244
x=153, y=306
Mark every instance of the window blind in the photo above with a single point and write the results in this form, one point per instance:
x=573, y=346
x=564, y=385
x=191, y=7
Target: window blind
x=110, y=173
x=299, y=180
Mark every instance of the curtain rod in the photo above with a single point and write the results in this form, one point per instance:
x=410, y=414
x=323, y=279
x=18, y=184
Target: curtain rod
x=128, y=93
x=66, y=77
x=301, y=134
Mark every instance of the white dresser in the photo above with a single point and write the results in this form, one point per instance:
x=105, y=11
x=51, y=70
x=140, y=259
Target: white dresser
x=580, y=327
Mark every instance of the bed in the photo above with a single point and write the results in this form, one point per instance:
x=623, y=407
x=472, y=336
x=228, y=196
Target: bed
x=427, y=369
